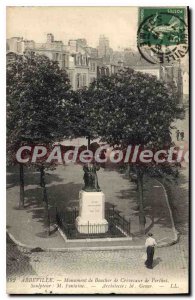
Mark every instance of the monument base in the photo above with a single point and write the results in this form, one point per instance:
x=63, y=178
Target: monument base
x=91, y=219
x=91, y=228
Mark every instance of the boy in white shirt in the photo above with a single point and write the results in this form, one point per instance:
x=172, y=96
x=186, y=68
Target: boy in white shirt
x=150, y=245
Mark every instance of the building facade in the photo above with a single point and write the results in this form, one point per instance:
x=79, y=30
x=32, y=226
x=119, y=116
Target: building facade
x=84, y=64
x=79, y=60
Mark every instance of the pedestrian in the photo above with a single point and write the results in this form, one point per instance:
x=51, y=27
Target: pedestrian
x=182, y=135
x=150, y=245
x=177, y=134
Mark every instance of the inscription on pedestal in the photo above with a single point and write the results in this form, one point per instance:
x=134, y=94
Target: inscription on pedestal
x=95, y=208
x=92, y=213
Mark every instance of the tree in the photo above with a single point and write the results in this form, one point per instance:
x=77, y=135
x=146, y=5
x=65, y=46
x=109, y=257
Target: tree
x=134, y=109
x=37, y=93
x=82, y=115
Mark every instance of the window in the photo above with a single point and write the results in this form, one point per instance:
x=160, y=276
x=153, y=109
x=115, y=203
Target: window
x=63, y=61
x=92, y=66
x=84, y=83
x=103, y=71
x=70, y=75
x=56, y=56
x=81, y=80
x=77, y=81
x=78, y=60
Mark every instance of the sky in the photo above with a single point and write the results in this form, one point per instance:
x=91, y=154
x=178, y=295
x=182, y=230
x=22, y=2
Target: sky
x=119, y=24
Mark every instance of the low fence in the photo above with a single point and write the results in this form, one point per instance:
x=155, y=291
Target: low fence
x=115, y=219
x=91, y=229
x=66, y=221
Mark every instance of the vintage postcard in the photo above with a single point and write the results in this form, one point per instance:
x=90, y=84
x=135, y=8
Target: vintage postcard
x=97, y=150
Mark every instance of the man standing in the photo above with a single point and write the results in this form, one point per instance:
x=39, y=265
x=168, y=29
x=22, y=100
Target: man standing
x=177, y=134
x=150, y=244
x=182, y=135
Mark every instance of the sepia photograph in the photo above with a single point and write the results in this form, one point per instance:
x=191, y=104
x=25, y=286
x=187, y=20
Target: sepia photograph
x=97, y=150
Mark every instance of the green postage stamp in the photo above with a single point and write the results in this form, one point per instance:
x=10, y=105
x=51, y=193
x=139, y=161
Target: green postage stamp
x=162, y=34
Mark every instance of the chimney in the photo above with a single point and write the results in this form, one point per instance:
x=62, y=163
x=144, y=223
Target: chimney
x=50, y=38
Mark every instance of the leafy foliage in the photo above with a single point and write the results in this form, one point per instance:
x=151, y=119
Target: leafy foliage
x=37, y=91
x=83, y=114
x=133, y=108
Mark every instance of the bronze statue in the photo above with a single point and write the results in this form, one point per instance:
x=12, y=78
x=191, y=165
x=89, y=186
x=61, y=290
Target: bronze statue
x=90, y=178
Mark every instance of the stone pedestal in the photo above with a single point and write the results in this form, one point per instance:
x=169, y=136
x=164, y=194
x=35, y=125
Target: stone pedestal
x=91, y=219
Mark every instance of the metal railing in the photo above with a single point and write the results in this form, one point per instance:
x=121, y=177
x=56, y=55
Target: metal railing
x=91, y=229
x=66, y=221
x=115, y=219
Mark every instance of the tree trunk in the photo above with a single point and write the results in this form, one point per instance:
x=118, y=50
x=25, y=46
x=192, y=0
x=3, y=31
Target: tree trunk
x=42, y=173
x=142, y=219
x=21, y=201
x=128, y=171
x=88, y=142
x=45, y=200
x=46, y=218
